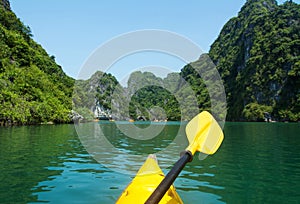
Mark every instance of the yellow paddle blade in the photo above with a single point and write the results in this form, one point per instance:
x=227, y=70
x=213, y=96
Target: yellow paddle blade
x=204, y=134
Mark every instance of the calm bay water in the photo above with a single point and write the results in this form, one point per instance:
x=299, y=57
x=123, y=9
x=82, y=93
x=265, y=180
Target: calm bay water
x=257, y=163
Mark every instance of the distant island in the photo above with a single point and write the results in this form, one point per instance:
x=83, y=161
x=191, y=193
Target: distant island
x=256, y=54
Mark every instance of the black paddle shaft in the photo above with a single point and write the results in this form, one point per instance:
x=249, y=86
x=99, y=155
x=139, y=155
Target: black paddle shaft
x=165, y=184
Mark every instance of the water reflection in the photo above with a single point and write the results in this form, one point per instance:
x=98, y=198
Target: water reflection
x=257, y=163
x=110, y=146
x=49, y=164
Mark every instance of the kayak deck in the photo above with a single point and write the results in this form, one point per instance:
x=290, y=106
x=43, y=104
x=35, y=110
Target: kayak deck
x=145, y=182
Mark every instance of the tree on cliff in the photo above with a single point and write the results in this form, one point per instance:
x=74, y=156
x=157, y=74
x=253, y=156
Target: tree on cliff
x=258, y=56
x=33, y=88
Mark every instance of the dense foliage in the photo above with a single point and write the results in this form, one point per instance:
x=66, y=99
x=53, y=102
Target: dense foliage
x=179, y=96
x=96, y=91
x=33, y=88
x=151, y=99
x=258, y=56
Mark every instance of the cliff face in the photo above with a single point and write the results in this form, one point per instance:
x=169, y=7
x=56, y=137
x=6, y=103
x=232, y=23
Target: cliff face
x=93, y=97
x=258, y=57
x=257, y=54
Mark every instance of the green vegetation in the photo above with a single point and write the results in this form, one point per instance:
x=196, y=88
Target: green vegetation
x=151, y=98
x=33, y=88
x=206, y=86
x=258, y=56
x=256, y=112
x=96, y=91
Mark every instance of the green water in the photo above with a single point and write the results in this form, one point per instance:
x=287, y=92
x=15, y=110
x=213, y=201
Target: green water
x=257, y=163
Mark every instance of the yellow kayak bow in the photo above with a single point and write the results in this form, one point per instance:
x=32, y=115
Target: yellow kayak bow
x=150, y=186
x=145, y=182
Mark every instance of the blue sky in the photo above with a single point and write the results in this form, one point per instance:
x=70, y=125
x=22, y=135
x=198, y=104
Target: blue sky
x=72, y=29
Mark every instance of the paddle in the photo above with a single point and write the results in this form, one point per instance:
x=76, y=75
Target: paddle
x=204, y=135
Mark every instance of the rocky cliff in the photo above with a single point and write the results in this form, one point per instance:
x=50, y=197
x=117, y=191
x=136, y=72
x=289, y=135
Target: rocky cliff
x=258, y=56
